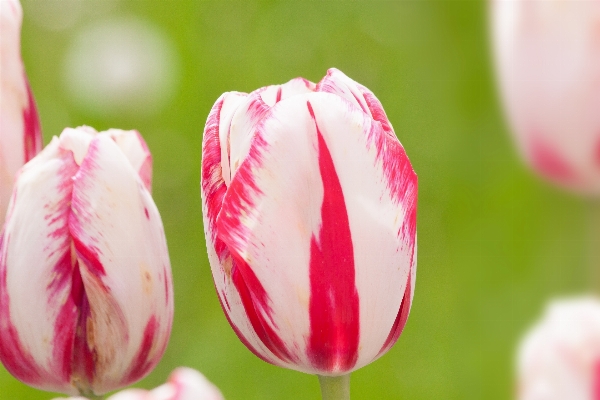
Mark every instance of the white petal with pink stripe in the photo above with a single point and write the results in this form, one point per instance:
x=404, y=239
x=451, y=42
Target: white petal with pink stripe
x=312, y=242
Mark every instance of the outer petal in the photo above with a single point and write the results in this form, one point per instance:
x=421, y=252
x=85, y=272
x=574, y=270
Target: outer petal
x=38, y=315
x=337, y=82
x=119, y=240
x=20, y=134
x=133, y=145
x=215, y=174
x=279, y=221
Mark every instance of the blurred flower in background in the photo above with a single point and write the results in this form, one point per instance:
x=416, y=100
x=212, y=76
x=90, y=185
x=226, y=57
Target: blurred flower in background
x=183, y=384
x=559, y=358
x=121, y=66
x=57, y=15
x=547, y=57
x=20, y=133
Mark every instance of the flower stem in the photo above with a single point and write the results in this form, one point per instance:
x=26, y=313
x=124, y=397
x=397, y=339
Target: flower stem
x=335, y=387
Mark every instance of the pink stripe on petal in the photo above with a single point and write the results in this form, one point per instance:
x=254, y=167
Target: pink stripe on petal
x=238, y=332
x=88, y=254
x=334, y=302
x=84, y=357
x=548, y=161
x=401, y=318
x=377, y=111
x=32, y=130
x=145, y=171
x=400, y=178
x=256, y=304
x=213, y=185
x=596, y=381
x=66, y=319
x=143, y=362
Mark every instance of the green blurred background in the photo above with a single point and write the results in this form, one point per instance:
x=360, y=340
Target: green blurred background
x=494, y=242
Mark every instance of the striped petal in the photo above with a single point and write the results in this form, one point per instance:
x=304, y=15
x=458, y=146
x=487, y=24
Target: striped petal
x=38, y=315
x=215, y=177
x=337, y=82
x=119, y=240
x=20, y=133
x=273, y=94
x=86, y=300
x=133, y=145
x=323, y=195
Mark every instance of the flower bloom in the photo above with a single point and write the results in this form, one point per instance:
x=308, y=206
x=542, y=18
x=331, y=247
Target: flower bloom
x=548, y=66
x=86, y=299
x=560, y=357
x=20, y=134
x=309, y=205
x=183, y=384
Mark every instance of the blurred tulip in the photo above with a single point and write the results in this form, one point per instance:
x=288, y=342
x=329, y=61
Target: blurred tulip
x=183, y=384
x=86, y=299
x=559, y=358
x=309, y=205
x=20, y=134
x=548, y=65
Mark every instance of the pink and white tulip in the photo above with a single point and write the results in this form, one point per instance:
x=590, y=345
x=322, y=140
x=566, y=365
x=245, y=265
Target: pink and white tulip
x=86, y=298
x=20, y=133
x=547, y=56
x=559, y=358
x=309, y=205
x=183, y=384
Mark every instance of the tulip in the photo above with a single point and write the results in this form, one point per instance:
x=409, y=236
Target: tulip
x=559, y=358
x=20, y=134
x=547, y=57
x=183, y=384
x=86, y=298
x=309, y=205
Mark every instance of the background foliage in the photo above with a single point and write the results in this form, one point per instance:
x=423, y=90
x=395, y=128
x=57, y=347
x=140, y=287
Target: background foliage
x=494, y=242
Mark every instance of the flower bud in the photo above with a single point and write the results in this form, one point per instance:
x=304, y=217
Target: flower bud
x=309, y=205
x=20, y=134
x=559, y=357
x=86, y=298
x=547, y=56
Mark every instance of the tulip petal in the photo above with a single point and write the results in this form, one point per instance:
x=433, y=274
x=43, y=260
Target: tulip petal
x=337, y=82
x=213, y=190
x=274, y=221
x=119, y=240
x=228, y=105
x=273, y=94
x=36, y=244
x=133, y=145
x=20, y=133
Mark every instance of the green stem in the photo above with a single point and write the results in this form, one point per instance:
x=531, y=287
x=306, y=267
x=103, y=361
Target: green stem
x=594, y=247
x=335, y=387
